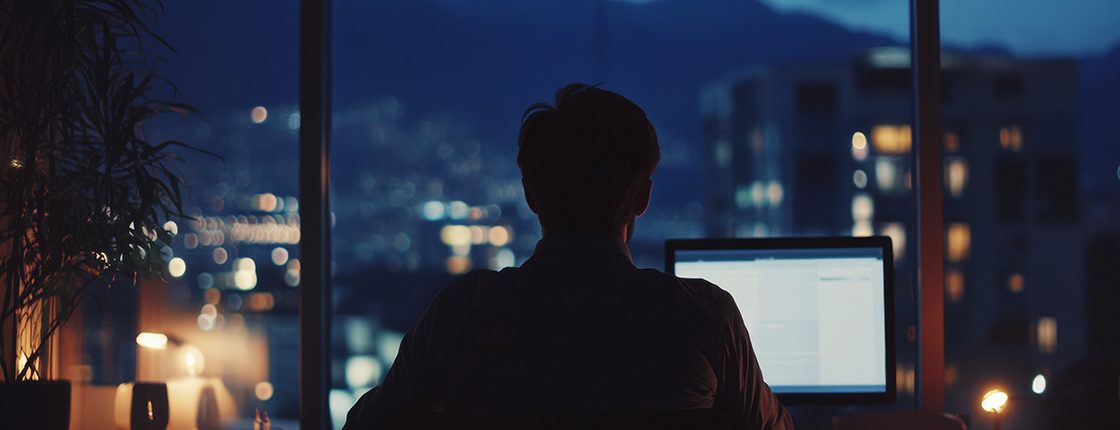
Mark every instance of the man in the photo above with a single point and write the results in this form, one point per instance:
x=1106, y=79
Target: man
x=577, y=329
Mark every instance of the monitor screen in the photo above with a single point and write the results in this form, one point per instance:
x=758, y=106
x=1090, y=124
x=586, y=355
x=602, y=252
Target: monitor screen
x=818, y=310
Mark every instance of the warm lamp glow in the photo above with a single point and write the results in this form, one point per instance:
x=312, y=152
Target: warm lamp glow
x=994, y=401
x=193, y=360
x=152, y=340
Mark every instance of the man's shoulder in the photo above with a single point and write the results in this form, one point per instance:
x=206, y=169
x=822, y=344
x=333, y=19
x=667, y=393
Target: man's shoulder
x=699, y=289
x=471, y=282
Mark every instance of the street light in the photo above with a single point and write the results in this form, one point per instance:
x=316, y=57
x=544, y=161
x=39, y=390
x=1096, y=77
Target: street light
x=993, y=402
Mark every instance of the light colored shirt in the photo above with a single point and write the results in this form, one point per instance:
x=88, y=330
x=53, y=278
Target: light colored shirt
x=576, y=329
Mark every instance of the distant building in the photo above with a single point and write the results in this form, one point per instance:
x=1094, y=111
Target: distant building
x=824, y=148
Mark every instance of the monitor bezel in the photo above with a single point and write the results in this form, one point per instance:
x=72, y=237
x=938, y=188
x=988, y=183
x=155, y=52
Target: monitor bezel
x=883, y=242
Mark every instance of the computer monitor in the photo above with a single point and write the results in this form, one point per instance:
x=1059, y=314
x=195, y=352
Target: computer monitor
x=819, y=311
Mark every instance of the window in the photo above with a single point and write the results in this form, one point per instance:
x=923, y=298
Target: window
x=754, y=142
x=891, y=139
x=816, y=98
x=1011, y=189
x=223, y=324
x=1057, y=190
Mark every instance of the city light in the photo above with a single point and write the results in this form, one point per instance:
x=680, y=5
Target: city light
x=458, y=210
x=245, y=274
x=206, y=322
x=432, y=211
x=152, y=340
x=1038, y=384
x=994, y=401
x=258, y=115
x=453, y=235
x=176, y=267
x=504, y=258
x=859, y=178
x=952, y=142
x=212, y=296
x=220, y=255
x=775, y=193
x=171, y=228
x=266, y=202
x=859, y=140
x=499, y=236
x=897, y=232
x=293, y=121
x=263, y=390
x=758, y=192
x=1011, y=138
x=956, y=176
x=1046, y=330
x=362, y=371
x=886, y=174
x=863, y=208
x=458, y=264
x=279, y=256
x=891, y=139
x=959, y=237
x=1016, y=282
x=954, y=285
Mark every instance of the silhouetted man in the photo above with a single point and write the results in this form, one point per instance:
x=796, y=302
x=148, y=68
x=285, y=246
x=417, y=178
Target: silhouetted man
x=577, y=329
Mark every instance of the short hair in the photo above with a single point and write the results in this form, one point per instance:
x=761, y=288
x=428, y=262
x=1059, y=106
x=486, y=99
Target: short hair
x=585, y=159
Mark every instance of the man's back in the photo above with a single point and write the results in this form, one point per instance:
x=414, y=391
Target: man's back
x=577, y=329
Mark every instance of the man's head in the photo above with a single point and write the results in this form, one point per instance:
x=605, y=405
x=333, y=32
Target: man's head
x=586, y=161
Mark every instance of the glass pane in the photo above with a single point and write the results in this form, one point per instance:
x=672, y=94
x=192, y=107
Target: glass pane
x=220, y=326
x=1032, y=180
x=775, y=118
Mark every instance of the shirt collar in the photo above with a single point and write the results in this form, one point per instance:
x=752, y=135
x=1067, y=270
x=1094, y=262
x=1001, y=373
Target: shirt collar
x=581, y=243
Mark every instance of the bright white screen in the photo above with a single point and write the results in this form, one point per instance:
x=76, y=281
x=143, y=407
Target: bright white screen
x=815, y=316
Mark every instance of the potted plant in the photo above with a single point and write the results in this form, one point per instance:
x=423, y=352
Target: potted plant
x=83, y=194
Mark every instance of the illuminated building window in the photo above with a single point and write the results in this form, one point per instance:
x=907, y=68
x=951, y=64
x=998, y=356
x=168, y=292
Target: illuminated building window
x=1016, y=282
x=458, y=264
x=863, y=208
x=758, y=193
x=742, y=197
x=954, y=285
x=1011, y=138
x=775, y=193
x=952, y=142
x=904, y=377
x=891, y=174
x=959, y=242
x=1046, y=333
x=897, y=232
x=862, y=229
x=950, y=374
x=956, y=176
x=891, y=139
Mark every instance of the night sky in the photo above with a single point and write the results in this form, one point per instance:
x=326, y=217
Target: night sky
x=483, y=62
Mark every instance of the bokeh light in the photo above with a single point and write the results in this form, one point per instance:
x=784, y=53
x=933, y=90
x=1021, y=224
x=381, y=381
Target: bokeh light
x=258, y=115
